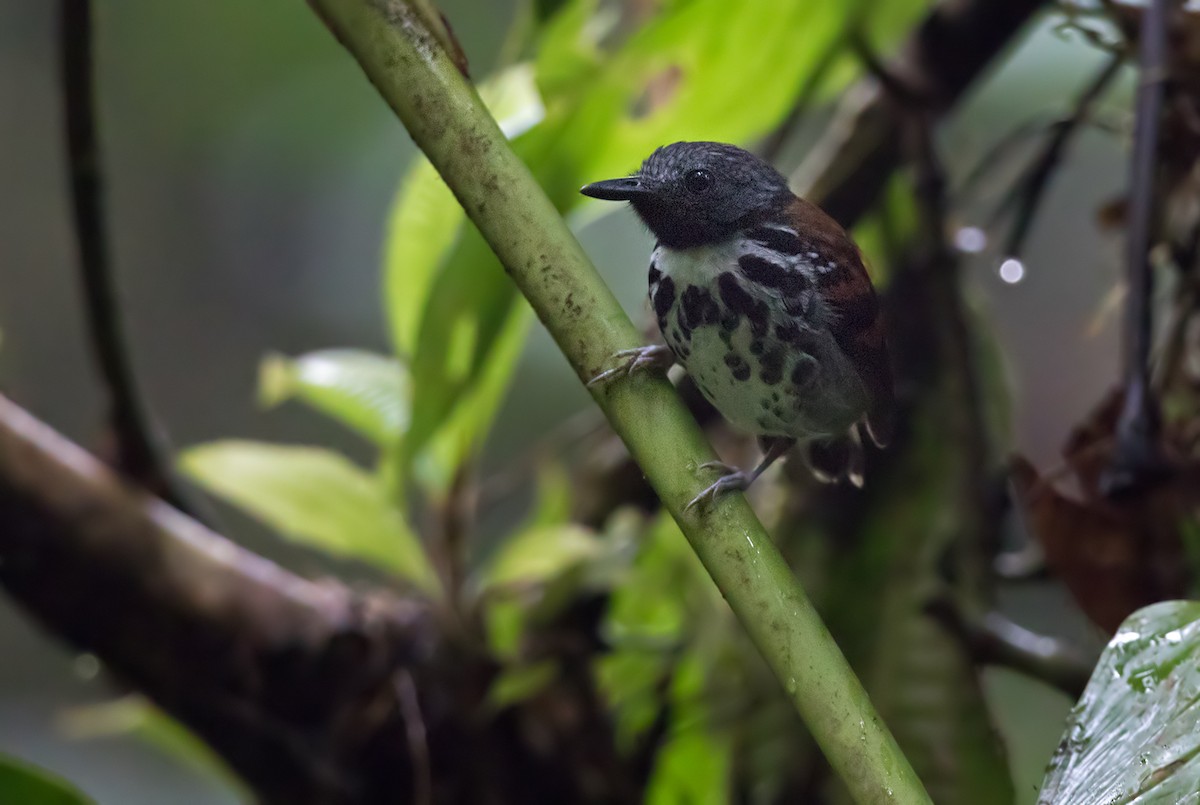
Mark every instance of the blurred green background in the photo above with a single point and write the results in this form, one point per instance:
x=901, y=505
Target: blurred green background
x=250, y=172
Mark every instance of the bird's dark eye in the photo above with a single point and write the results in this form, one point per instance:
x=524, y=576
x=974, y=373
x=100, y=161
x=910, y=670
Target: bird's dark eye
x=698, y=181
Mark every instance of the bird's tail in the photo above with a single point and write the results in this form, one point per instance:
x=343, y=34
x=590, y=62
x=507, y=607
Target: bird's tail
x=841, y=459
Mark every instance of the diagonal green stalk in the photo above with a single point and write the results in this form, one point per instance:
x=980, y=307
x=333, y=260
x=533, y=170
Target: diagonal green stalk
x=443, y=114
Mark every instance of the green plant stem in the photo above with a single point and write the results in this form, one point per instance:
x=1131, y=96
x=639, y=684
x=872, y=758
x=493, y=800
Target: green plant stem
x=446, y=119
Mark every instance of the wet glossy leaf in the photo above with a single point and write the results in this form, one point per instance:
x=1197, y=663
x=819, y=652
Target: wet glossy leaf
x=23, y=783
x=1132, y=737
x=363, y=390
x=316, y=497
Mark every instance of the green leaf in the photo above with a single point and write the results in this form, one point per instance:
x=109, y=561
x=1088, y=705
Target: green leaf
x=504, y=622
x=552, y=501
x=1132, y=737
x=540, y=555
x=631, y=682
x=135, y=715
x=694, y=765
x=423, y=225
x=459, y=435
x=363, y=390
x=663, y=592
x=315, y=497
x=520, y=682
x=568, y=53
x=456, y=314
x=27, y=785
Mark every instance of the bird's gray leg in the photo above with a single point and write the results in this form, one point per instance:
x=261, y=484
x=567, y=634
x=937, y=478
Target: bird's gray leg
x=637, y=359
x=740, y=479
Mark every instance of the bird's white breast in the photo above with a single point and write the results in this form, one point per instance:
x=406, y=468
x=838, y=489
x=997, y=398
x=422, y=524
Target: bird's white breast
x=765, y=358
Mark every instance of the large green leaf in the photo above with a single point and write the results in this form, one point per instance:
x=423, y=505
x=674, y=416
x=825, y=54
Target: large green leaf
x=423, y=225
x=471, y=415
x=454, y=312
x=1133, y=736
x=23, y=784
x=362, y=390
x=316, y=497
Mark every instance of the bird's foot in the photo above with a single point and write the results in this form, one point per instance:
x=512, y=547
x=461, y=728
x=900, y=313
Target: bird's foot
x=637, y=359
x=731, y=480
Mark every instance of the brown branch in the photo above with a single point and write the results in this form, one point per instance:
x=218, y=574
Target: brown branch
x=949, y=50
x=995, y=640
x=292, y=681
x=311, y=692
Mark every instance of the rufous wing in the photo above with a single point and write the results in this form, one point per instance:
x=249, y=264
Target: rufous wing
x=858, y=326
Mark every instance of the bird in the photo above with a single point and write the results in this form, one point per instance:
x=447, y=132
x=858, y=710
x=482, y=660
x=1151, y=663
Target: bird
x=766, y=303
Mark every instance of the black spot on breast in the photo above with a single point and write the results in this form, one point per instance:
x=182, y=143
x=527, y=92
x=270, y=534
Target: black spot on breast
x=741, y=303
x=655, y=274
x=737, y=366
x=772, y=366
x=664, y=297
x=780, y=240
x=772, y=275
x=757, y=346
x=699, y=308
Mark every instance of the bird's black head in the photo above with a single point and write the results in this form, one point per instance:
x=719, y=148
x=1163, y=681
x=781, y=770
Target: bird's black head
x=694, y=193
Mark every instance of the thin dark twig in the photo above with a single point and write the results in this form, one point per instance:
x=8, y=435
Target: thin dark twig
x=1138, y=457
x=138, y=448
x=418, y=739
x=772, y=147
x=1031, y=188
x=994, y=640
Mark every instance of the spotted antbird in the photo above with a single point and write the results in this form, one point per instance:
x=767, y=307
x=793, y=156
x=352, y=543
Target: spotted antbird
x=765, y=302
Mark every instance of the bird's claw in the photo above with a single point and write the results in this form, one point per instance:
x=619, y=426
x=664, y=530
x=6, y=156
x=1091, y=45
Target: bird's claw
x=636, y=359
x=732, y=480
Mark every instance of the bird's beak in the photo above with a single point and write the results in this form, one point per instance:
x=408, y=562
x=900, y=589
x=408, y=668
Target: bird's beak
x=626, y=189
